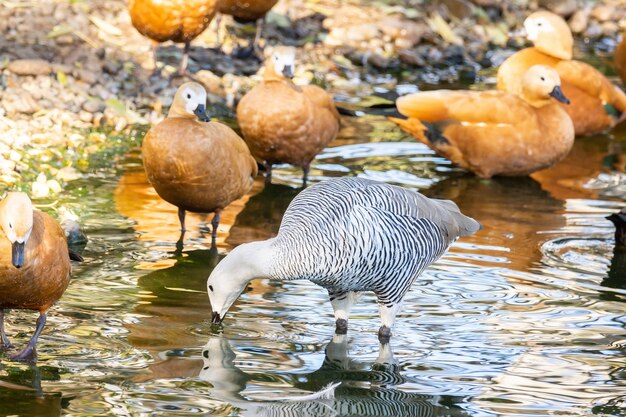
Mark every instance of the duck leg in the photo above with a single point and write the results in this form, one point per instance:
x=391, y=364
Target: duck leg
x=29, y=354
x=305, y=174
x=268, y=172
x=215, y=222
x=260, y=23
x=5, y=343
x=182, y=68
x=155, y=60
x=181, y=218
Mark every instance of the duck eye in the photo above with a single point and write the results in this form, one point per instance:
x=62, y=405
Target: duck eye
x=211, y=288
x=543, y=79
x=188, y=96
x=10, y=226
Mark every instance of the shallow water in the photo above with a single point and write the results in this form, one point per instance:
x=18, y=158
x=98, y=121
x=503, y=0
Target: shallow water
x=527, y=317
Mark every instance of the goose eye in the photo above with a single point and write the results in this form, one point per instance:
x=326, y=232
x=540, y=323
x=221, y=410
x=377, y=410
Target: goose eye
x=539, y=24
x=10, y=226
x=188, y=96
x=211, y=288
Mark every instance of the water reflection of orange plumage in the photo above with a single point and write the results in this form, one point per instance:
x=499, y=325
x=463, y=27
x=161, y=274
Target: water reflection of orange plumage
x=157, y=220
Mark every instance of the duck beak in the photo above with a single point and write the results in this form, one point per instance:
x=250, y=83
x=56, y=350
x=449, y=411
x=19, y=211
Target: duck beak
x=288, y=71
x=215, y=318
x=557, y=93
x=18, y=254
x=200, y=111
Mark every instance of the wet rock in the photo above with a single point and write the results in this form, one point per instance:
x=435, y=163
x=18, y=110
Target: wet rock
x=609, y=28
x=73, y=232
x=579, y=20
x=411, y=57
x=458, y=8
x=30, y=67
x=85, y=116
x=20, y=102
x=563, y=8
x=593, y=31
x=90, y=77
x=604, y=12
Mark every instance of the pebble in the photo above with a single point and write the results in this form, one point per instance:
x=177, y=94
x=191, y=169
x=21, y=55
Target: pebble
x=30, y=67
x=579, y=20
x=603, y=12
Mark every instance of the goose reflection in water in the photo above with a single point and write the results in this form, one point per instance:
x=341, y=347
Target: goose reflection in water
x=362, y=392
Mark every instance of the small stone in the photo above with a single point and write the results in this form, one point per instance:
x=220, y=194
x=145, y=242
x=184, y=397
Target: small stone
x=411, y=57
x=85, y=116
x=579, y=20
x=593, y=31
x=563, y=8
x=603, y=12
x=67, y=174
x=64, y=40
x=609, y=28
x=24, y=103
x=93, y=106
x=30, y=67
x=90, y=77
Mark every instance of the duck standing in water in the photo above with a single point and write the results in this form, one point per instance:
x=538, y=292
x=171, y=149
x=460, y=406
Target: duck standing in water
x=197, y=166
x=34, y=265
x=347, y=235
x=494, y=132
x=283, y=122
x=179, y=21
x=596, y=105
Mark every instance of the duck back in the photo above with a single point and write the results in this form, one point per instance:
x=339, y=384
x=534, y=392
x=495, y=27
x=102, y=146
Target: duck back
x=246, y=10
x=199, y=167
x=46, y=272
x=172, y=20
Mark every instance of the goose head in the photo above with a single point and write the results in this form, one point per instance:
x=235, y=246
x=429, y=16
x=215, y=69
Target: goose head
x=189, y=102
x=231, y=276
x=550, y=34
x=540, y=84
x=16, y=221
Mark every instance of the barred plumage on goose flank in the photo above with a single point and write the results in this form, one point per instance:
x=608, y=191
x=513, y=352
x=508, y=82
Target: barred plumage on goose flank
x=347, y=235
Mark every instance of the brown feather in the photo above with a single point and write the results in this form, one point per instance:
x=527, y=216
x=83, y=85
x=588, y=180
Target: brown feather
x=246, y=10
x=587, y=88
x=490, y=133
x=284, y=123
x=46, y=272
x=172, y=20
x=199, y=167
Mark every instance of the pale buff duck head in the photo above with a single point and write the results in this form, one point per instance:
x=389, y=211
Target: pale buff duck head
x=189, y=102
x=16, y=221
x=281, y=63
x=540, y=84
x=550, y=34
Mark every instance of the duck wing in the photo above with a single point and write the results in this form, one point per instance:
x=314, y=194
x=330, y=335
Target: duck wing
x=321, y=99
x=593, y=82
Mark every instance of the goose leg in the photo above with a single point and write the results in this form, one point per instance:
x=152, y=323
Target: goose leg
x=5, y=343
x=342, y=304
x=181, y=218
x=29, y=354
x=387, y=317
x=155, y=60
x=215, y=223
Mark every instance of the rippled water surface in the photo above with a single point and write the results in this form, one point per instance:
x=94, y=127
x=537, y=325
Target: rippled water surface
x=527, y=317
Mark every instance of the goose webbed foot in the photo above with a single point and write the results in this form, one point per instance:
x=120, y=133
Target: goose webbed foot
x=341, y=326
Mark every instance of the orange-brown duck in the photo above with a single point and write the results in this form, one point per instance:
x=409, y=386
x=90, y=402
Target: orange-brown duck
x=245, y=11
x=283, y=122
x=595, y=103
x=197, y=166
x=179, y=21
x=620, y=59
x=34, y=264
x=494, y=132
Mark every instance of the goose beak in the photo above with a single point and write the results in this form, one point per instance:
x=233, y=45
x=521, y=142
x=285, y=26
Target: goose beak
x=215, y=318
x=558, y=95
x=288, y=71
x=18, y=254
x=200, y=111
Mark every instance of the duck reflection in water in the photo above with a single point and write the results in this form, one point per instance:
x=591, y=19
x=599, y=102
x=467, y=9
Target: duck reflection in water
x=352, y=398
x=616, y=276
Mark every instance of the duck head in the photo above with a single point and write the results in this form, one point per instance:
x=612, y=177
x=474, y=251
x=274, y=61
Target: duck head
x=16, y=220
x=189, y=102
x=541, y=84
x=282, y=63
x=230, y=277
x=550, y=34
